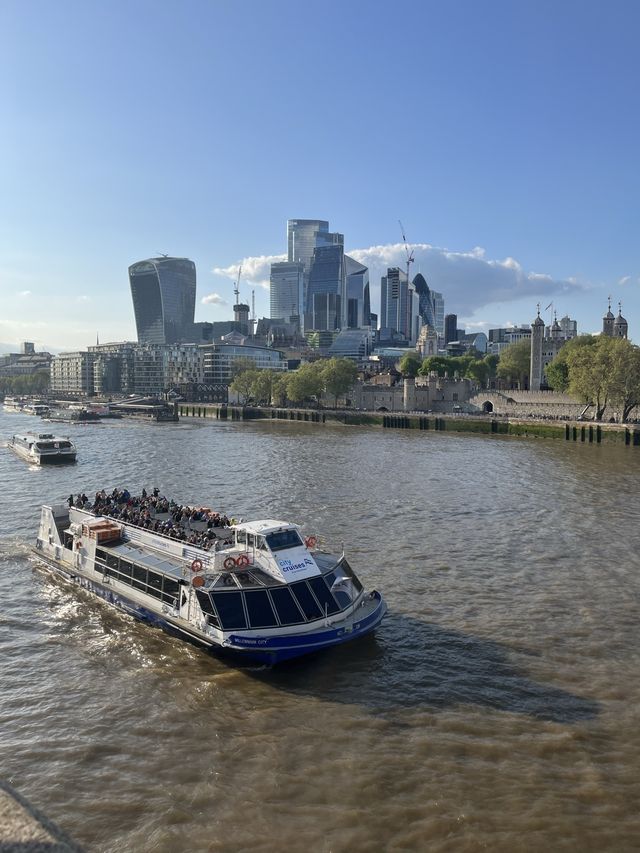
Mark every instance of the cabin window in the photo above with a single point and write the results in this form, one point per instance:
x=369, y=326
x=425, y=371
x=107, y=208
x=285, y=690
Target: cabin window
x=241, y=536
x=251, y=540
x=230, y=610
x=346, y=568
x=170, y=590
x=327, y=601
x=126, y=570
x=306, y=601
x=154, y=582
x=207, y=608
x=282, y=539
x=101, y=555
x=139, y=577
x=112, y=561
x=261, y=544
x=286, y=607
x=259, y=608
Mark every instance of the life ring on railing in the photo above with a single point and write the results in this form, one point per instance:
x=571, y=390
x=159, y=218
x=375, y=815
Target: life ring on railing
x=242, y=561
x=196, y=566
x=311, y=541
x=229, y=563
x=197, y=580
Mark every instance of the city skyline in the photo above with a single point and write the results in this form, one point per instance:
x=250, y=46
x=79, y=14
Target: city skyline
x=505, y=143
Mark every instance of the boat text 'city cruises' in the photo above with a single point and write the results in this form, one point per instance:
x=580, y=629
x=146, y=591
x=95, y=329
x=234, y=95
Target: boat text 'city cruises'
x=257, y=589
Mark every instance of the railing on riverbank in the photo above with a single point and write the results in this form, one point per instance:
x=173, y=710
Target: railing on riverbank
x=575, y=431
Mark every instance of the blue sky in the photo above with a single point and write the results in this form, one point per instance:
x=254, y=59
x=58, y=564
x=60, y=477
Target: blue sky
x=504, y=135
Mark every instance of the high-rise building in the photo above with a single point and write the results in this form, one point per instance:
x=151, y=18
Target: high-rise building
x=399, y=305
x=450, y=328
x=326, y=292
x=286, y=290
x=438, y=310
x=164, y=299
x=304, y=236
x=358, y=299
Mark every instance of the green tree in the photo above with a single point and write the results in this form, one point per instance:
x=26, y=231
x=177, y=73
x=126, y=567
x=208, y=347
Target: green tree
x=591, y=373
x=279, y=388
x=478, y=371
x=262, y=386
x=557, y=372
x=625, y=380
x=305, y=382
x=439, y=364
x=515, y=363
x=410, y=364
x=338, y=375
x=243, y=382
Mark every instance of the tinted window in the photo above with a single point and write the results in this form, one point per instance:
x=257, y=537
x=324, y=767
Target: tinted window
x=170, y=589
x=205, y=601
x=112, y=560
x=283, y=539
x=229, y=607
x=139, y=577
x=306, y=601
x=323, y=595
x=350, y=573
x=125, y=568
x=155, y=584
x=288, y=612
x=260, y=611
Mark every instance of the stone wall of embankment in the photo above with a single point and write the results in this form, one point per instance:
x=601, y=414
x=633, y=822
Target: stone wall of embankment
x=575, y=431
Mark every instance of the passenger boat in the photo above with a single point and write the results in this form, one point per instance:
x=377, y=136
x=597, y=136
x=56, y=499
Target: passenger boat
x=43, y=448
x=39, y=409
x=267, y=595
x=14, y=404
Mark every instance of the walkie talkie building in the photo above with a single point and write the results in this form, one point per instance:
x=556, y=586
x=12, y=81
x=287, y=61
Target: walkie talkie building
x=164, y=299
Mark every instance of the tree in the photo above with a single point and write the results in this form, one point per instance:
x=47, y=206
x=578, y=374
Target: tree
x=478, y=371
x=262, y=386
x=439, y=364
x=243, y=383
x=625, y=384
x=410, y=364
x=515, y=363
x=279, y=388
x=591, y=370
x=557, y=372
x=338, y=375
x=305, y=382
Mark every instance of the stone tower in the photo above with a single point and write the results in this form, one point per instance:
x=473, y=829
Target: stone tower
x=620, y=325
x=607, y=322
x=535, y=370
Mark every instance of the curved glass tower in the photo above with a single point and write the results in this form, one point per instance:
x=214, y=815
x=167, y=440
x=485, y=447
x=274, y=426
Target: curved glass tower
x=164, y=299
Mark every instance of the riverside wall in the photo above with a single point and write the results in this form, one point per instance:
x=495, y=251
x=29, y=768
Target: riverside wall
x=574, y=431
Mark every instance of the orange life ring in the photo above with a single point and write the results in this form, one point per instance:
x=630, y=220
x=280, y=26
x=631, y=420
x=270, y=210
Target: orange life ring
x=197, y=580
x=229, y=563
x=196, y=566
x=242, y=561
x=311, y=541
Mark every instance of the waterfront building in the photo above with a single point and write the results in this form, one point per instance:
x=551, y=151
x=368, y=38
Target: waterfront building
x=286, y=291
x=72, y=374
x=164, y=295
x=544, y=348
x=356, y=344
x=27, y=362
x=219, y=360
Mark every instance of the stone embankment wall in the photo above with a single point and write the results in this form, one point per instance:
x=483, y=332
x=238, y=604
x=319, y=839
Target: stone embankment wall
x=523, y=404
x=575, y=431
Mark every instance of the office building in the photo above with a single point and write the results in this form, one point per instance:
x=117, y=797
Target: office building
x=164, y=298
x=304, y=236
x=450, y=328
x=286, y=291
x=358, y=299
x=399, y=305
x=326, y=292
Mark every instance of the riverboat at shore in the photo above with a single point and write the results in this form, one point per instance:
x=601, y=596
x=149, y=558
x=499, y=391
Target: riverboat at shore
x=43, y=448
x=263, y=594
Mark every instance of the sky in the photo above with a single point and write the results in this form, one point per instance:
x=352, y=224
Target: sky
x=504, y=136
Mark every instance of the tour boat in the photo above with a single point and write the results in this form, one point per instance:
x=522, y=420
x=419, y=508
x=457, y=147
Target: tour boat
x=43, y=448
x=265, y=594
x=14, y=404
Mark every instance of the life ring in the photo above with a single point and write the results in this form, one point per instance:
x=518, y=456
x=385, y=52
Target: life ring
x=197, y=580
x=311, y=541
x=242, y=561
x=196, y=566
x=229, y=563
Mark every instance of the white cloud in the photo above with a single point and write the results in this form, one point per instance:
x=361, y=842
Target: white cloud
x=624, y=280
x=213, y=299
x=255, y=270
x=83, y=298
x=24, y=294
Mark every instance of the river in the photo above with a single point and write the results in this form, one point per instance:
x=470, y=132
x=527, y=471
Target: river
x=497, y=707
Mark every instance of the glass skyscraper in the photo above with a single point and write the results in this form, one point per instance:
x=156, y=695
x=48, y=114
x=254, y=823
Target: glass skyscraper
x=358, y=301
x=304, y=236
x=327, y=291
x=164, y=299
x=286, y=291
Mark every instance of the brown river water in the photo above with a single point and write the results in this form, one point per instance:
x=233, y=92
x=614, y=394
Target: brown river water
x=497, y=708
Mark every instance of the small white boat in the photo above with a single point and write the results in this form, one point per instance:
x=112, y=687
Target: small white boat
x=43, y=448
x=39, y=409
x=265, y=593
x=14, y=404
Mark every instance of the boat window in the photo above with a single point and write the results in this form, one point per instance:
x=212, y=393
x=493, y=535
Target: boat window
x=259, y=608
x=327, y=601
x=139, y=577
x=261, y=544
x=241, y=536
x=126, y=569
x=251, y=540
x=286, y=607
x=230, y=610
x=101, y=555
x=154, y=582
x=346, y=568
x=207, y=608
x=306, y=601
x=282, y=539
x=112, y=560
x=170, y=589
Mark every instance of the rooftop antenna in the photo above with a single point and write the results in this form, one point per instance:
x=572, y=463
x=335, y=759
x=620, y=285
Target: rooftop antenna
x=162, y=255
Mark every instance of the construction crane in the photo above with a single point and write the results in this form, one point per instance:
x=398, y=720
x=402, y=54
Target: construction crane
x=410, y=258
x=236, y=289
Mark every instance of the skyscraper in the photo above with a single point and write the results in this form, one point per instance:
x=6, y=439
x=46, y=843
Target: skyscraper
x=358, y=301
x=399, y=304
x=304, y=236
x=286, y=290
x=164, y=299
x=326, y=306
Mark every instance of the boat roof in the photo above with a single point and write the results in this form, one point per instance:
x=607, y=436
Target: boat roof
x=265, y=526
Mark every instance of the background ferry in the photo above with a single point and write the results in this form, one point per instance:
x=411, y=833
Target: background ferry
x=43, y=448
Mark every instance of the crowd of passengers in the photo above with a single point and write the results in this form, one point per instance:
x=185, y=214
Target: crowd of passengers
x=143, y=511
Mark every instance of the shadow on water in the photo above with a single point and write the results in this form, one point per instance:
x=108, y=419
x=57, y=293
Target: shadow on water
x=411, y=663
